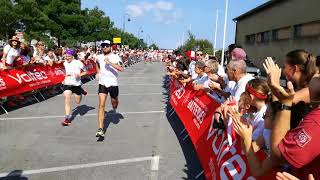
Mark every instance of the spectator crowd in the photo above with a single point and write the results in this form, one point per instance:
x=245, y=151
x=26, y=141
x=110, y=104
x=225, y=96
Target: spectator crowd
x=283, y=121
x=19, y=53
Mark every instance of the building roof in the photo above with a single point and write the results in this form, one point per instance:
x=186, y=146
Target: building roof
x=268, y=4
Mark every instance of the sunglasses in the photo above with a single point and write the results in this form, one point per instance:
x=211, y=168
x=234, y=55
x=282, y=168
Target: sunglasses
x=105, y=46
x=199, y=54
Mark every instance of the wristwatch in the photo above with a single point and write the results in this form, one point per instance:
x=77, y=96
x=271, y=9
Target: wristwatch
x=285, y=107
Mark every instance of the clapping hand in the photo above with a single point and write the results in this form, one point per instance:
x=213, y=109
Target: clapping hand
x=214, y=86
x=228, y=106
x=287, y=176
x=274, y=74
x=242, y=128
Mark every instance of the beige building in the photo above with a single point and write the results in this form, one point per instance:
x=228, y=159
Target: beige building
x=278, y=27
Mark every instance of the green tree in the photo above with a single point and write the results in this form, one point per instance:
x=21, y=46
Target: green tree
x=153, y=46
x=61, y=19
x=196, y=44
x=8, y=18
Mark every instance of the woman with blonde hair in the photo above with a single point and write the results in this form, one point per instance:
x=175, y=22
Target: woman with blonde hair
x=39, y=54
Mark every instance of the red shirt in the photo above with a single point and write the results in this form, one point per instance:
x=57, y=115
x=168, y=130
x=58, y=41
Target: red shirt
x=301, y=146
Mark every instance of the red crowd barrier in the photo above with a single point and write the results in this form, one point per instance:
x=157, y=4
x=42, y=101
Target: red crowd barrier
x=219, y=160
x=24, y=79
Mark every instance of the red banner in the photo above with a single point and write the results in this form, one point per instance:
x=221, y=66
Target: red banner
x=218, y=159
x=20, y=80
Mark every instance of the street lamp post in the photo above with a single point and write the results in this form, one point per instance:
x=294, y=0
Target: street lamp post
x=124, y=24
x=140, y=30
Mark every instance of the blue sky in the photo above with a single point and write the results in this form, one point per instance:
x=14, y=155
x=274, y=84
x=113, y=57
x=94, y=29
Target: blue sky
x=166, y=21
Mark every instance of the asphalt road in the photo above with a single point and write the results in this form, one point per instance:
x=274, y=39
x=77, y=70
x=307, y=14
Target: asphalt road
x=141, y=141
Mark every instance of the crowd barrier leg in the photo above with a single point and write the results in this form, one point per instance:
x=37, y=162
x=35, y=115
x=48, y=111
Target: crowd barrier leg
x=185, y=137
x=197, y=176
x=172, y=113
x=35, y=98
x=183, y=130
x=42, y=95
x=4, y=109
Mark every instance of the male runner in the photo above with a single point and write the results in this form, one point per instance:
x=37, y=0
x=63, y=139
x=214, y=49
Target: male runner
x=72, y=83
x=108, y=65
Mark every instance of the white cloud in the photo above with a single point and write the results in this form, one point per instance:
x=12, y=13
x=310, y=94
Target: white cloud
x=135, y=10
x=163, y=5
x=163, y=11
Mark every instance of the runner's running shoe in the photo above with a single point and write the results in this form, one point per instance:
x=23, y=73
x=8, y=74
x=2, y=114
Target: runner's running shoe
x=84, y=92
x=100, y=133
x=66, y=122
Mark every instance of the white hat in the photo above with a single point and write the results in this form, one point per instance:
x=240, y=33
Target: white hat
x=33, y=42
x=105, y=42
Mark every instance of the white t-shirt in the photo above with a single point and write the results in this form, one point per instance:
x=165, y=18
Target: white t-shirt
x=12, y=54
x=257, y=122
x=204, y=80
x=221, y=72
x=73, y=68
x=192, y=71
x=82, y=55
x=240, y=86
x=108, y=76
x=47, y=58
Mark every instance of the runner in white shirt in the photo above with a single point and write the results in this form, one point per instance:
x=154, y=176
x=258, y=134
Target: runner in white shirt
x=72, y=83
x=108, y=65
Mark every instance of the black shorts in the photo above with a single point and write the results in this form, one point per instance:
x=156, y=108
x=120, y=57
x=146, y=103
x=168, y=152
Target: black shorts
x=74, y=89
x=113, y=90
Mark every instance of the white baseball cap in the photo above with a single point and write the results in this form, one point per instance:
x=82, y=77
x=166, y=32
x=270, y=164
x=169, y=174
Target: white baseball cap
x=105, y=42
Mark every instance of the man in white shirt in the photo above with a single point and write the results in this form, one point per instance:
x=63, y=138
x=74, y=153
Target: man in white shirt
x=72, y=83
x=236, y=71
x=108, y=65
x=191, y=69
x=202, y=77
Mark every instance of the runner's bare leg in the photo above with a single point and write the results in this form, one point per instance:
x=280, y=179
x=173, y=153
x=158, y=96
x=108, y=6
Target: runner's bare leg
x=101, y=110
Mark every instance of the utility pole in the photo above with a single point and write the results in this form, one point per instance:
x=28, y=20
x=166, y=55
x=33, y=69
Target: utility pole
x=224, y=32
x=215, y=34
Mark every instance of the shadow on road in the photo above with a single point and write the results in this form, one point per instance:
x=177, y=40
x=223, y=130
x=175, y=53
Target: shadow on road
x=110, y=117
x=14, y=175
x=81, y=110
x=193, y=167
x=33, y=97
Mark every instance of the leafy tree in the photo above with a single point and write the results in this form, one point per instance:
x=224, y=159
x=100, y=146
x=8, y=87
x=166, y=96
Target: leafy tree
x=61, y=19
x=8, y=18
x=153, y=46
x=196, y=44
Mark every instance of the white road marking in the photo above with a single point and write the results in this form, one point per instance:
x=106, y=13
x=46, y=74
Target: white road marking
x=48, y=117
x=155, y=163
x=129, y=94
x=81, y=166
